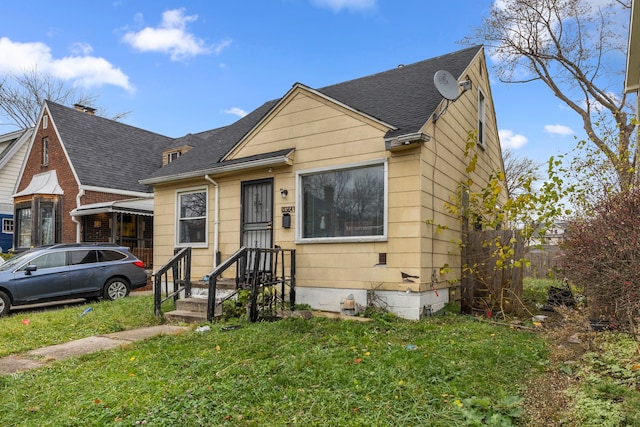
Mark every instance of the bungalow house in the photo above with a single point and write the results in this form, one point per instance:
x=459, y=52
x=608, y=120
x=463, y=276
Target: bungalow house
x=13, y=148
x=353, y=176
x=79, y=182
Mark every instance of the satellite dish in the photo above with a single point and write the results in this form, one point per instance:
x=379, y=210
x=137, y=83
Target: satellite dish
x=446, y=84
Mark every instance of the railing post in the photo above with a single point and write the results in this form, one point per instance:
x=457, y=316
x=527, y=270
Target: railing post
x=292, y=284
x=157, y=295
x=187, y=274
x=211, y=298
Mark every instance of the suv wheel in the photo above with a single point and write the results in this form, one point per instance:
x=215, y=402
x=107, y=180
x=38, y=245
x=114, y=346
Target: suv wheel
x=5, y=303
x=116, y=288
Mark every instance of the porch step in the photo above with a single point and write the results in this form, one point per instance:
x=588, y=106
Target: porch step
x=198, y=305
x=191, y=310
x=221, y=283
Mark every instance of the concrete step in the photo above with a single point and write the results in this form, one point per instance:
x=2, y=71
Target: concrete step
x=191, y=310
x=198, y=305
x=221, y=283
x=185, y=316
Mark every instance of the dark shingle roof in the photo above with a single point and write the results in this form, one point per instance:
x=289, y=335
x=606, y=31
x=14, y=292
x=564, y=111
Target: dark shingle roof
x=107, y=153
x=404, y=97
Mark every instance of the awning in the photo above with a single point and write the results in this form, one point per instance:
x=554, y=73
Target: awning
x=129, y=206
x=42, y=183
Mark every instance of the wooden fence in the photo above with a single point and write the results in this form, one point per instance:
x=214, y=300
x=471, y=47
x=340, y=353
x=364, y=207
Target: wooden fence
x=544, y=262
x=491, y=281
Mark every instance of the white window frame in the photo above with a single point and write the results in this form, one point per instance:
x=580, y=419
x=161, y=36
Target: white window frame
x=185, y=191
x=299, y=208
x=173, y=155
x=482, y=118
x=45, y=122
x=7, y=225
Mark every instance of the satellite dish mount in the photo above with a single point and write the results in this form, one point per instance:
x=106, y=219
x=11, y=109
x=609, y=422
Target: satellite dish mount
x=447, y=86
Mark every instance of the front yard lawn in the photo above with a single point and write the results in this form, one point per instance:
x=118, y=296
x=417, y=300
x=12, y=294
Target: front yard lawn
x=290, y=372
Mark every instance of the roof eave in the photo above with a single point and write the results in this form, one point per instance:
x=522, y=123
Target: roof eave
x=281, y=160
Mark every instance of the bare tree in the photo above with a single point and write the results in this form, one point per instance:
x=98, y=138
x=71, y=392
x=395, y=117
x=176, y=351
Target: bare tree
x=22, y=96
x=519, y=172
x=568, y=45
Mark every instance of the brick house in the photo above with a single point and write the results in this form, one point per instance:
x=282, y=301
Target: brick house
x=79, y=182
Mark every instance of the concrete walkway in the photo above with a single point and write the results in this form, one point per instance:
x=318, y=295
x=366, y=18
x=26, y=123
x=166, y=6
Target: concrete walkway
x=41, y=356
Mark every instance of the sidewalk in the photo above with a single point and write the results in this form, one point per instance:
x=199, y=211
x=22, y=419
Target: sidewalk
x=40, y=357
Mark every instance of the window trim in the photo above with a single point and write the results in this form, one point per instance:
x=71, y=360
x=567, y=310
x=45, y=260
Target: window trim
x=19, y=223
x=45, y=121
x=179, y=193
x=8, y=225
x=299, y=208
x=173, y=155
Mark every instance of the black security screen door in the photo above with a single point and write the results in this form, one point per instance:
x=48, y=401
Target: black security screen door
x=257, y=214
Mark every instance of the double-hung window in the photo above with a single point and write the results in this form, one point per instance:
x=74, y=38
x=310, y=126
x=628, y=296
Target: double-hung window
x=192, y=218
x=343, y=204
x=7, y=225
x=23, y=219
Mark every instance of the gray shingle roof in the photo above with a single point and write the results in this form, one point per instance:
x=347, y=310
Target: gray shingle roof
x=107, y=153
x=404, y=97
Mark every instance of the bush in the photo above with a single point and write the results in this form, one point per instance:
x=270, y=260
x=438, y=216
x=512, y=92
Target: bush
x=602, y=256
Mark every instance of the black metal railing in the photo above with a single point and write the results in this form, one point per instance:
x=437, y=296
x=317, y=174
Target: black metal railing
x=268, y=273
x=180, y=267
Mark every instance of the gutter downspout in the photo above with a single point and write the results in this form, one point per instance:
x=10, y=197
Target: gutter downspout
x=74, y=219
x=216, y=220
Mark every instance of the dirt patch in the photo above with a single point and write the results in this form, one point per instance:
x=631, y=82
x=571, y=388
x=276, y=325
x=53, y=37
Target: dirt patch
x=546, y=400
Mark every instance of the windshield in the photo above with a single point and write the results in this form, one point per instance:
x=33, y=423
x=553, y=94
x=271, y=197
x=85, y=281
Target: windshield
x=14, y=261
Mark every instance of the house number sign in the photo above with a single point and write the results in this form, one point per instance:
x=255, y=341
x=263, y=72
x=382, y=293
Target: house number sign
x=288, y=209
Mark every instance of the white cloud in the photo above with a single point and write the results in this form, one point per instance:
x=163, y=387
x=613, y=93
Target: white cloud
x=236, y=111
x=508, y=140
x=353, y=5
x=80, y=48
x=172, y=37
x=558, y=130
x=80, y=68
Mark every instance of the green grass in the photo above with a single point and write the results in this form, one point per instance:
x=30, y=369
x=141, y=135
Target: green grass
x=27, y=330
x=442, y=371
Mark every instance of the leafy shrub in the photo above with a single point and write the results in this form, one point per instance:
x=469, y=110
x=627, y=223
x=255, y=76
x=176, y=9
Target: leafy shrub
x=237, y=306
x=601, y=256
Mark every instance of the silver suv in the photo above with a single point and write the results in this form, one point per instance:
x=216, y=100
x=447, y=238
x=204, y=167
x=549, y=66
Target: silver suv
x=63, y=271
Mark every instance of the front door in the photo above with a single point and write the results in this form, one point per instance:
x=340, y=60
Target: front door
x=257, y=214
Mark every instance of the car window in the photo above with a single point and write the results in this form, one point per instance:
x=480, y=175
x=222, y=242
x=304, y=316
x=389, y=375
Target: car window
x=13, y=261
x=84, y=256
x=48, y=260
x=109, y=255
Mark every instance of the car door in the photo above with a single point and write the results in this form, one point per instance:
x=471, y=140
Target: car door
x=44, y=277
x=85, y=274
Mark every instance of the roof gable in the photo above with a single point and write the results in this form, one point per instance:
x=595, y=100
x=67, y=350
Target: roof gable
x=17, y=140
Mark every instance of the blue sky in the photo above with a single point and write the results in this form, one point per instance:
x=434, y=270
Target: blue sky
x=187, y=66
